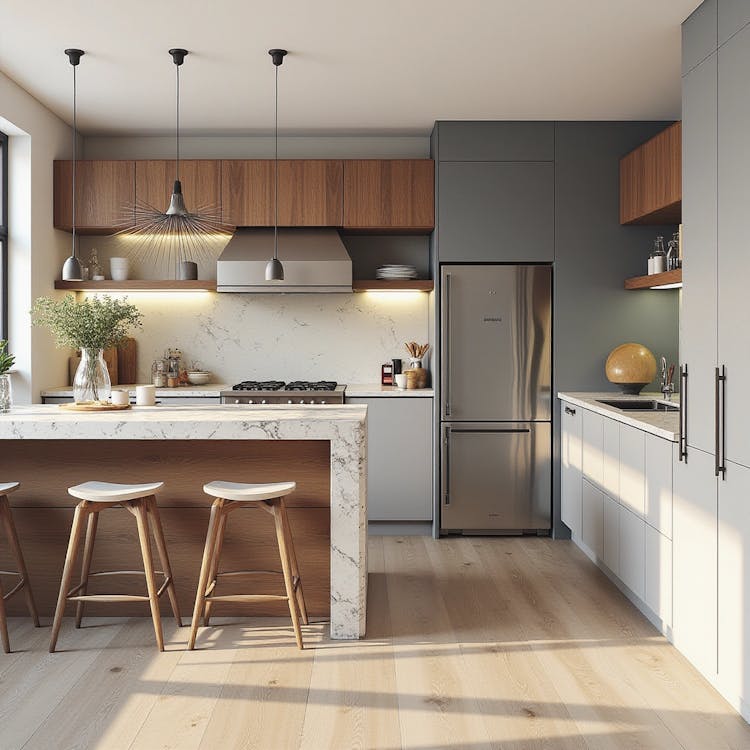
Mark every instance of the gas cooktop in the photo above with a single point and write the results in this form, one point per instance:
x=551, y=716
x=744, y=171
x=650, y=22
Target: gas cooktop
x=279, y=392
x=278, y=385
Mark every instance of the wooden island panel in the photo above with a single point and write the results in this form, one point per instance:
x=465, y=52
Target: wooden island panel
x=43, y=512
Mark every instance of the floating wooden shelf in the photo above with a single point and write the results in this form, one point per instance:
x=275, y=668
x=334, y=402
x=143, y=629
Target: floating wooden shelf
x=138, y=285
x=655, y=280
x=390, y=285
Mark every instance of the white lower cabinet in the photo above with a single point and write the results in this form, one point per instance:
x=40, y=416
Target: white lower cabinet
x=570, y=459
x=633, y=469
x=657, y=591
x=611, y=557
x=592, y=518
x=660, y=455
x=632, y=551
x=399, y=457
x=734, y=586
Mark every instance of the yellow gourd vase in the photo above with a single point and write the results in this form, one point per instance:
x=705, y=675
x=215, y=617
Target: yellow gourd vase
x=631, y=366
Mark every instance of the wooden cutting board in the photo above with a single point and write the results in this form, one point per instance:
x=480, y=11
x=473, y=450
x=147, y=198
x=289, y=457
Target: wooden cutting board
x=127, y=362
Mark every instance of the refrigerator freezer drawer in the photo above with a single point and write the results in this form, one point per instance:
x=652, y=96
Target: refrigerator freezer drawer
x=496, y=477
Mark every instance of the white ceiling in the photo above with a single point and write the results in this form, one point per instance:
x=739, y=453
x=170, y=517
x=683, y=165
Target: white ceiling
x=383, y=66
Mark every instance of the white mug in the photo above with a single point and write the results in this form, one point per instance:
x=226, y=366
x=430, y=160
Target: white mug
x=120, y=397
x=400, y=381
x=145, y=395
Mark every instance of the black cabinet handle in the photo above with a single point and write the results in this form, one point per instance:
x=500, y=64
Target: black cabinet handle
x=683, y=413
x=720, y=468
x=569, y=410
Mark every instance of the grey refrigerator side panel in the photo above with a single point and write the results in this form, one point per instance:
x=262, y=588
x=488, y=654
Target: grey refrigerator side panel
x=496, y=477
x=496, y=342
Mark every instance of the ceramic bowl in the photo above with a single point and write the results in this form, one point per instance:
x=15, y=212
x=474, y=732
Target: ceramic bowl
x=631, y=366
x=199, y=378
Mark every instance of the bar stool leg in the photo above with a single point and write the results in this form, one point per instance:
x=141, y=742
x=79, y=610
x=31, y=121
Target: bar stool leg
x=15, y=547
x=208, y=550
x=88, y=553
x=215, y=557
x=293, y=562
x=161, y=546
x=286, y=568
x=141, y=516
x=70, y=558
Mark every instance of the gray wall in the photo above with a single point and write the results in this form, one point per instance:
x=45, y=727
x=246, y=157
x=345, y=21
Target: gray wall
x=592, y=253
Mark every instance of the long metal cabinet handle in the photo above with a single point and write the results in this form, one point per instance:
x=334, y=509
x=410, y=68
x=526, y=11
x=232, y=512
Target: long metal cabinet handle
x=446, y=465
x=447, y=350
x=683, y=413
x=719, y=423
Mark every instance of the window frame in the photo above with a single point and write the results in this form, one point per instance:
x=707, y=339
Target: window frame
x=3, y=236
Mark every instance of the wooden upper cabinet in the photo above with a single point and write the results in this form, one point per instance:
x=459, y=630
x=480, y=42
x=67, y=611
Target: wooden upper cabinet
x=651, y=180
x=105, y=194
x=310, y=192
x=200, y=178
x=389, y=194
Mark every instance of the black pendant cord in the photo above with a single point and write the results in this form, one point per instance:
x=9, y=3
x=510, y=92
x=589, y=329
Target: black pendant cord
x=177, y=129
x=276, y=179
x=75, y=160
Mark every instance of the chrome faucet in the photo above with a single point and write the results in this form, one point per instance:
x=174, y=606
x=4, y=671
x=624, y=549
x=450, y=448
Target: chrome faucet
x=667, y=373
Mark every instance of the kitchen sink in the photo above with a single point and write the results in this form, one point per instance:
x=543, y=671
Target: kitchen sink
x=638, y=405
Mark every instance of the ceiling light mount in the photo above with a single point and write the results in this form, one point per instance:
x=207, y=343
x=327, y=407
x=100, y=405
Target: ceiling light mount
x=178, y=55
x=74, y=55
x=277, y=55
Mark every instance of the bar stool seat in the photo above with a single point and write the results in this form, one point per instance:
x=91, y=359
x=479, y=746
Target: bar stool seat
x=107, y=492
x=140, y=501
x=6, y=517
x=230, y=496
x=243, y=493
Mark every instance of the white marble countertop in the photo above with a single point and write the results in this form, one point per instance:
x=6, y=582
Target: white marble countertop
x=662, y=424
x=210, y=390
x=365, y=390
x=345, y=427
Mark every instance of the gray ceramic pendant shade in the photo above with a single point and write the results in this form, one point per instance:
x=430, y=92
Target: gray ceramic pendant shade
x=274, y=268
x=71, y=270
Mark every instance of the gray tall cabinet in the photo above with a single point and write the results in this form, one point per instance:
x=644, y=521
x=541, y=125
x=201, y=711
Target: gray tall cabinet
x=711, y=541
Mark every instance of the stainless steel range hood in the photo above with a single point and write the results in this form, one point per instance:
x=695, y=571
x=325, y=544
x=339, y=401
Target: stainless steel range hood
x=315, y=260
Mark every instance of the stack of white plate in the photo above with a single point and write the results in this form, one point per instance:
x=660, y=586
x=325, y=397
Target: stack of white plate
x=396, y=271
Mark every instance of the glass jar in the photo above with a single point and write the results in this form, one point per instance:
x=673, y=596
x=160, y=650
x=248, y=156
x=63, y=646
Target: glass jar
x=91, y=381
x=659, y=256
x=6, y=395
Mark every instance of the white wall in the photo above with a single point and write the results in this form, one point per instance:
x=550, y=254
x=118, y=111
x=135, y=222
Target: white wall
x=36, y=249
x=345, y=337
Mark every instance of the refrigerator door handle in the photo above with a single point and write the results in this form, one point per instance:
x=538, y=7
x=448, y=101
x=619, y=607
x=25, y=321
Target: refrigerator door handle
x=445, y=466
x=446, y=349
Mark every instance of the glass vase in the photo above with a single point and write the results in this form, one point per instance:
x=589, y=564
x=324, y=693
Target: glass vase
x=91, y=381
x=6, y=396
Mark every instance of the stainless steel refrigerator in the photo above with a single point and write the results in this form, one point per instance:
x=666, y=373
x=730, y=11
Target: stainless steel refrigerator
x=495, y=394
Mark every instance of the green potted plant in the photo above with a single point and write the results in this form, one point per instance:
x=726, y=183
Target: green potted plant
x=6, y=362
x=91, y=325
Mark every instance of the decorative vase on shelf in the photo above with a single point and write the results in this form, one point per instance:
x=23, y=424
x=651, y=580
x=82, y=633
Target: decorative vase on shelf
x=91, y=382
x=416, y=375
x=6, y=396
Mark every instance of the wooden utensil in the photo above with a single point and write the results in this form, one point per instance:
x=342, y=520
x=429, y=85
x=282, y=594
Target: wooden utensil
x=127, y=361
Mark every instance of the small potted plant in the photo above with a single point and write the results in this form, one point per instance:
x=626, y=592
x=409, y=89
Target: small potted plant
x=91, y=325
x=6, y=362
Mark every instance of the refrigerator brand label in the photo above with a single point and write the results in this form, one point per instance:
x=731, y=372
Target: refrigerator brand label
x=492, y=320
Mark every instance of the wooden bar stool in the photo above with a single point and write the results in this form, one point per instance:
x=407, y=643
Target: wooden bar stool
x=23, y=575
x=230, y=496
x=140, y=500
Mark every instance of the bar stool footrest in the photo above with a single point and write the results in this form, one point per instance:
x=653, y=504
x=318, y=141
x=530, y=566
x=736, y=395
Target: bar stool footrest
x=108, y=598
x=15, y=589
x=248, y=598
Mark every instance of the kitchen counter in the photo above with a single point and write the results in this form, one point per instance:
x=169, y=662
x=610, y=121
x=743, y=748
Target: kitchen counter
x=322, y=448
x=662, y=424
x=210, y=390
x=365, y=390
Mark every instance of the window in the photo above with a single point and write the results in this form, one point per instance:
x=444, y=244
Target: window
x=3, y=236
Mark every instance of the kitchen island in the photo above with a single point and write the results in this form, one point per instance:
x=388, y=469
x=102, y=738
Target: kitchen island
x=322, y=448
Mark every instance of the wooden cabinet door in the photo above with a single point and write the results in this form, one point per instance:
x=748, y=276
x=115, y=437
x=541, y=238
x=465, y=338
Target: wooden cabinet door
x=200, y=178
x=694, y=556
x=389, y=194
x=310, y=192
x=570, y=484
x=247, y=192
x=105, y=195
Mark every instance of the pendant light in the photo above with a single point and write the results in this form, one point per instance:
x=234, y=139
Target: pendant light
x=274, y=269
x=175, y=235
x=71, y=270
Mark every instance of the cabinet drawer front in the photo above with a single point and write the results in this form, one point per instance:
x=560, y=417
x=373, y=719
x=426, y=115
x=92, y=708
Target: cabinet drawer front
x=570, y=500
x=632, y=469
x=592, y=519
x=593, y=447
x=632, y=551
x=657, y=592
x=659, y=457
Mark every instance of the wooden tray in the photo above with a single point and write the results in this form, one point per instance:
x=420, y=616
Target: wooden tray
x=94, y=407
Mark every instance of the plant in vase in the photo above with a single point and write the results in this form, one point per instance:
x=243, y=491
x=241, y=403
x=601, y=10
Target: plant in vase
x=91, y=325
x=416, y=375
x=6, y=362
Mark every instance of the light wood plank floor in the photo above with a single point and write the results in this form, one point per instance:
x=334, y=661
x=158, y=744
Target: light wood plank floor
x=472, y=643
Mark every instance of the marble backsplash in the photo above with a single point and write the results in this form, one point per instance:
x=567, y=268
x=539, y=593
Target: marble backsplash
x=345, y=337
